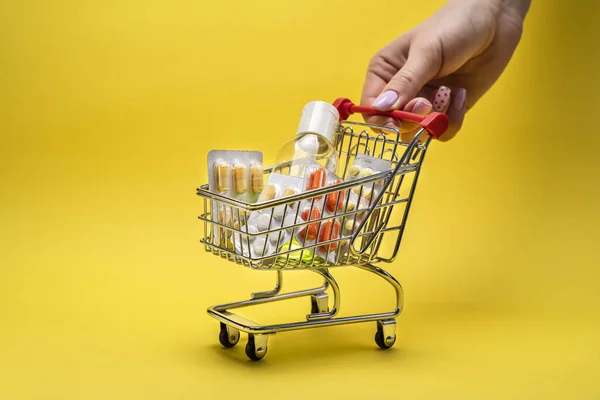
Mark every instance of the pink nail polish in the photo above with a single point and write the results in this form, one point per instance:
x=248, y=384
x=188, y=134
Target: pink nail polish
x=422, y=107
x=386, y=100
x=441, y=99
x=459, y=100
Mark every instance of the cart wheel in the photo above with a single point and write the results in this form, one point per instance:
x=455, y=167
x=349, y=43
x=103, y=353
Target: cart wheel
x=386, y=334
x=319, y=304
x=256, y=348
x=228, y=336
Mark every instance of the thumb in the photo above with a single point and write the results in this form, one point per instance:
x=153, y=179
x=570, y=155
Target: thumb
x=422, y=65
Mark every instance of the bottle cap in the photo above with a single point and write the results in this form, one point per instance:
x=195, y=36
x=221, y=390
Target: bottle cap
x=319, y=117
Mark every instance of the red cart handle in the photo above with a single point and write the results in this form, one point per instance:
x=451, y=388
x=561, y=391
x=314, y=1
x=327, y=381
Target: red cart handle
x=435, y=123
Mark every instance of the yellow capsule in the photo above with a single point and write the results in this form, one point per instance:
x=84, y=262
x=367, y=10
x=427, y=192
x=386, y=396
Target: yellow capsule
x=349, y=225
x=363, y=207
x=354, y=170
x=242, y=218
x=365, y=172
x=356, y=190
x=239, y=178
x=222, y=176
x=268, y=193
x=225, y=216
x=288, y=192
x=257, y=178
x=367, y=192
x=351, y=206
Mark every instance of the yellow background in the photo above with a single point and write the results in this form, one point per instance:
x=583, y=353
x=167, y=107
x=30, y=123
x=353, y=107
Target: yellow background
x=107, y=111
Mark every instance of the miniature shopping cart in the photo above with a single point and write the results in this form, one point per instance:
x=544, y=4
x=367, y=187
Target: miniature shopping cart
x=375, y=239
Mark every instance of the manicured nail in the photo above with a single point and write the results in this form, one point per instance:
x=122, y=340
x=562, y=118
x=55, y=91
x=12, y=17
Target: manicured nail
x=441, y=100
x=421, y=107
x=386, y=100
x=459, y=100
x=391, y=126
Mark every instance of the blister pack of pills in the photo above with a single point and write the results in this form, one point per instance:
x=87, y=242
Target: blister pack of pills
x=236, y=174
x=362, y=196
x=274, y=222
x=320, y=207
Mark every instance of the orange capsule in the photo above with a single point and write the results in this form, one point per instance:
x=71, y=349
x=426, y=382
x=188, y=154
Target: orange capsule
x=329, y=231
x=311, y=232
x=317, y=180
x=333, y=201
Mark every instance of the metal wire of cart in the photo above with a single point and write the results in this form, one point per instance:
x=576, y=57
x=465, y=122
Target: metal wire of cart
x=375, y=239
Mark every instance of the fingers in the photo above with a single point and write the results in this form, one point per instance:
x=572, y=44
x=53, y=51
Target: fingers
x=420, y=106
x=456, y=114
x=441, y=99
x=422, y=65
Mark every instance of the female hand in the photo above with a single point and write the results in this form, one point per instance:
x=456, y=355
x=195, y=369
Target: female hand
x=465, y=46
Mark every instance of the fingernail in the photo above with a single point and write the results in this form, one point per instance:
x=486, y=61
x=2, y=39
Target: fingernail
x=421, y=107
x=441, y=100
x=391, y=126
x=386, y=100
x=459, y=100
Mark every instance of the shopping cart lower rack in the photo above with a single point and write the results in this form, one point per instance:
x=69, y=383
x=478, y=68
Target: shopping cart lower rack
x=376, y=239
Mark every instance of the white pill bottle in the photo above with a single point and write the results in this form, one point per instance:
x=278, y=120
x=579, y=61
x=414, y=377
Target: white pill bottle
x=314, y=140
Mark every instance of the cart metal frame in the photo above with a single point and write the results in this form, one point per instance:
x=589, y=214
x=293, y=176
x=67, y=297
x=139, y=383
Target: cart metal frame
x=375, y=239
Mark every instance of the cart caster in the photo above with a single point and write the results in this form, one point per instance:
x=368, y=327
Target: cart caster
x=256, y=348
x=386, y=333
x=228, y=336
x=319, y=303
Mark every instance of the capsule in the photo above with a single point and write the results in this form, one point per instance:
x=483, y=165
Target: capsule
x=289, y=192
x=349, y=225
x=354, y=170
x=317, y=180
x=351, y=206
x=268, y=193
x=225, y=216
x=365, y=172
x=222, y=176
x=239, y=218
x=329, y=231
x=310, y=233
x=367, y=193
x=240, y=181
x=333, y=201
x=257, y=178
x=364, y=209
